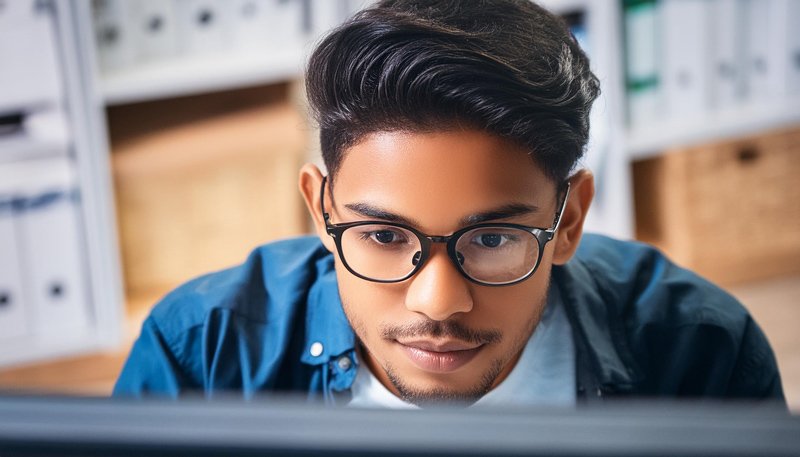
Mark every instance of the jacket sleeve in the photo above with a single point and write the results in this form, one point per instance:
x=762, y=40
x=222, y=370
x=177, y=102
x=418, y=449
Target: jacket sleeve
x=152, y=367
x=755, y=374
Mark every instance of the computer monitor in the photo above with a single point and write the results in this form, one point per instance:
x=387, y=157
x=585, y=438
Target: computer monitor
x=112, y=428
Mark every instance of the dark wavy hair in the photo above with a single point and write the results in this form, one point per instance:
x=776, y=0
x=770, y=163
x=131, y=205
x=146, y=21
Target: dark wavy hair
x=507, y=67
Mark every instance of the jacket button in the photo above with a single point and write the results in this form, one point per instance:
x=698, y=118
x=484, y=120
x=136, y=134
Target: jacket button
x=316, y=349
x=344, y=363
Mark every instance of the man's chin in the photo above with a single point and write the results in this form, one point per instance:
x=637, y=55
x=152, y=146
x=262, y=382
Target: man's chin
x=440, y=397
x=437, y=393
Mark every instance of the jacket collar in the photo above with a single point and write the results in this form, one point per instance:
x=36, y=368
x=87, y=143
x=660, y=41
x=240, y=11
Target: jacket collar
x=596, y=323
x=327, y=331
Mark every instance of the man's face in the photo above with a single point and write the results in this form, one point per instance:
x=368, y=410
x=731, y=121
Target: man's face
x=437, y=336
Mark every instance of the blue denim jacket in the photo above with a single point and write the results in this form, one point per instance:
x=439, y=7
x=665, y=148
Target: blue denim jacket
x=641, y=325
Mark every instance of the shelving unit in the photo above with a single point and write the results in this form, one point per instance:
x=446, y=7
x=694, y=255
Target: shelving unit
x=200, y=75
x=88, y=95
x=712, y=127
x=71, y=305
x=616, y=144
x=225, y=135
x=201, y=47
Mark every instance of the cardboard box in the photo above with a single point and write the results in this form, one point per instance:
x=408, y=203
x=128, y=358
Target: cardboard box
x=730, y=211
x=199, y=194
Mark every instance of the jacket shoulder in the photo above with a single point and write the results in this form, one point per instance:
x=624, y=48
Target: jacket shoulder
x=230, y=329
x=279, y=272
x=687, y=336
x=645, y=286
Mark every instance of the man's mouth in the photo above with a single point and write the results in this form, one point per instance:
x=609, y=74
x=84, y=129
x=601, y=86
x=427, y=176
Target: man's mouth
x=439, y=356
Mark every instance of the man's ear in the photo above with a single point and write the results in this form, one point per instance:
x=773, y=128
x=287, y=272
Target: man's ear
x=571, y=228
x=310, y=181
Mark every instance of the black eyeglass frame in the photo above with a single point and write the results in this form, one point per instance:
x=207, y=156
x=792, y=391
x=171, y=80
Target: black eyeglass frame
x=542, y=235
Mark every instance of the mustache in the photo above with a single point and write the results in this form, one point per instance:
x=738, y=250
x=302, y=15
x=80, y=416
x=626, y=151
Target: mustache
x=439, y=329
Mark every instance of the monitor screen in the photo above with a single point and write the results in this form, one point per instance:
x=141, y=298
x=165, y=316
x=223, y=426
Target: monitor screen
x=94, y=427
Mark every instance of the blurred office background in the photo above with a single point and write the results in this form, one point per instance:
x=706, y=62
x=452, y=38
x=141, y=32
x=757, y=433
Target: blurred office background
x=146, y=142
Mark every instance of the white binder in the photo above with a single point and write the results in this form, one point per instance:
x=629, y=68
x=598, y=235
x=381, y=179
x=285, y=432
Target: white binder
x=155, y=30
x=13, y=318
x=252, y=29
x=327, y=14
x=203, y=26
x=782, y=34
x=114, y=34
x=16, y=12
x=52, y=248
x=726, y=67
x=290, y=22
x=357, y=5
x=642, y=66
x=686, y=57
x=30, y=76
x=767, y=57
x=263, y=25
x=793, y=40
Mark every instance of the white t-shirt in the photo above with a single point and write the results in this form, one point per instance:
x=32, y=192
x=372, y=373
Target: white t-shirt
x=544, y=374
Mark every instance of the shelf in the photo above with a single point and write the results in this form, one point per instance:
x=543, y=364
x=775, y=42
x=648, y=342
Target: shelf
x=20, y=149
x=41, y=134
x=189, y=76
x=564, y=6
x=710, y=127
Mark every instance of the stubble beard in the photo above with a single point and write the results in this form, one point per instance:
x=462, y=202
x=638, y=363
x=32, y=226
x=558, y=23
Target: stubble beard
x=442, y=396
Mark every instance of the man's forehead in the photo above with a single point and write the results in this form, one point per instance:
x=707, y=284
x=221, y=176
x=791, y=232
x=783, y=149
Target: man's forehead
x=440, y=176
x=443, y=160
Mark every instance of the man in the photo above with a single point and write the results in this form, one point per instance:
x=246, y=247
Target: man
x=450, y=263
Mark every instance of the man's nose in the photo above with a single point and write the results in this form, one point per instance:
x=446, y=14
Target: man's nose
x=438, y=290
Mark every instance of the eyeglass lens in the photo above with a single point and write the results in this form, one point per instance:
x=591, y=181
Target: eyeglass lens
x=493, y=255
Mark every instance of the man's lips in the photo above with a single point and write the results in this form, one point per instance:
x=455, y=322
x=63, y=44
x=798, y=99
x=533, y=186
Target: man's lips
x=439, y=356
x=439, y=346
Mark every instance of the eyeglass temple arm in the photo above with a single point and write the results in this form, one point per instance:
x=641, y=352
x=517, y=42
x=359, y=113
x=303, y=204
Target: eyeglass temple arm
x=325, y=215
x=557, y=220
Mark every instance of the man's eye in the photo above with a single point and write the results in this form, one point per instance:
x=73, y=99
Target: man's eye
x=384, y=236
x=490, y=240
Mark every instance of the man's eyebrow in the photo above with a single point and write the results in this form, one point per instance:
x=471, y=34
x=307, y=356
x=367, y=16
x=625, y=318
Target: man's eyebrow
x=373, y=212
x=502, y=212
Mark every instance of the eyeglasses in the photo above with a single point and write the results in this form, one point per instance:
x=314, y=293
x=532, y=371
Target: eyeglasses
x=490, y=254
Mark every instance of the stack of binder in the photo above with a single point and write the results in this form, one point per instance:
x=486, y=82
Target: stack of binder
x=42, y=272
x=43, y=280
x=685, y=59
x=133, y=34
